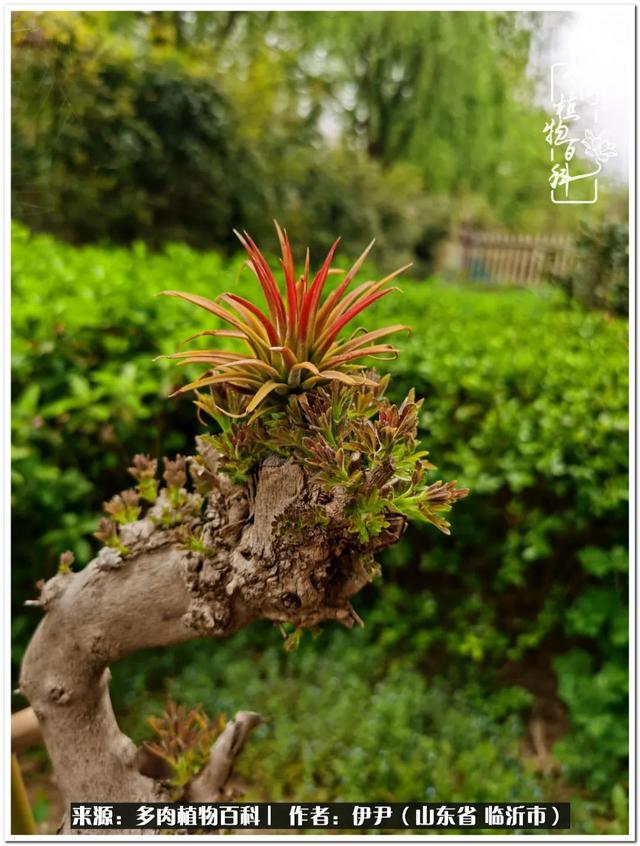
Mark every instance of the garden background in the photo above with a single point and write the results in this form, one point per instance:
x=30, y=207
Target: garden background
x=493, y=664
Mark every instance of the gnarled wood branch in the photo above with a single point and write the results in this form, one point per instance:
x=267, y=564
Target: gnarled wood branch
x=257, y=565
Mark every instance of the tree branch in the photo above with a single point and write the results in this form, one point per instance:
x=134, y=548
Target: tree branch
x=25, y=730
x=211, y=783
x=251, y=562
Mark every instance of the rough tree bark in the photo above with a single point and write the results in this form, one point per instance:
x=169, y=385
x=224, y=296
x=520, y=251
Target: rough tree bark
x=257, y=565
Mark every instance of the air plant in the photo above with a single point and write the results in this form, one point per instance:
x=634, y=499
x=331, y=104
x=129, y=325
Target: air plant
x=293, y=346
x=304, y=391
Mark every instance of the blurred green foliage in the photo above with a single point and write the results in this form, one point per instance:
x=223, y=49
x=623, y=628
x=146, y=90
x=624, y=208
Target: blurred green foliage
x=600, y=277
x=526, y=403
x=174, y=126
x=120, y=148
x=414, y=740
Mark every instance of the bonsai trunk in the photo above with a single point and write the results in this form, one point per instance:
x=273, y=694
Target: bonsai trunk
x=261, y=554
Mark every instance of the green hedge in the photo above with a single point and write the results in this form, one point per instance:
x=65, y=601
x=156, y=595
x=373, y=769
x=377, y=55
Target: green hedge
x=526, y=403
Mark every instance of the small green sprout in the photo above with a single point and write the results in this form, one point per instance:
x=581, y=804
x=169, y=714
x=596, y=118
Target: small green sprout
x=65, y=562
x=108, y=533
x=124, y=507
x=144, y=472
x=183, y=740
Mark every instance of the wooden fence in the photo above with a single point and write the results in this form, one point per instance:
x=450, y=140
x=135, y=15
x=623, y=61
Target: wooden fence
x=514, y=259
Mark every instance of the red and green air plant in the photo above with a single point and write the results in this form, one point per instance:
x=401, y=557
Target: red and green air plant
x=296, y=344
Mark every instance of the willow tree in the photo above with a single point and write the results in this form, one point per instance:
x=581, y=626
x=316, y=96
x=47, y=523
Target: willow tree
x=449, y=92
x=278, y=515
